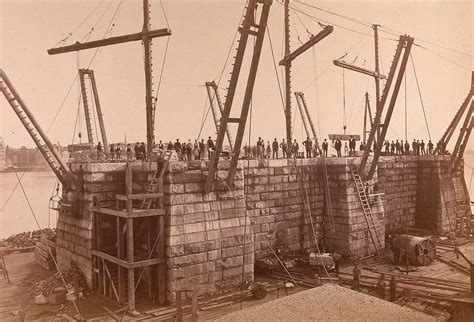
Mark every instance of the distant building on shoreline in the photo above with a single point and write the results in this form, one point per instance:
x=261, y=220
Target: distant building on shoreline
x=25, y=159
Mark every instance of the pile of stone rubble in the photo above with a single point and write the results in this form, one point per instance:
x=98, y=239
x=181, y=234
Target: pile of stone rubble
x=30, y=238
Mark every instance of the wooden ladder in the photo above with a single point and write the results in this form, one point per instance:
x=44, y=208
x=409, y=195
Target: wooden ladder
x=157, y=176
x=372, y=224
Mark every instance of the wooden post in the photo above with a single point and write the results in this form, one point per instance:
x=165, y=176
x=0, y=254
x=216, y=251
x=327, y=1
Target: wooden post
x=130, y=244
x=131, y=271
x=120, y=254
x=179, y=307
x=288, y=78
x=161, y=250
x=194, y=311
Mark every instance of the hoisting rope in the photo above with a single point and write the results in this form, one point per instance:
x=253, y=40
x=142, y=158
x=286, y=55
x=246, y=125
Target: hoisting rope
x=276, y=69
x=421, y=99
x=80, y=24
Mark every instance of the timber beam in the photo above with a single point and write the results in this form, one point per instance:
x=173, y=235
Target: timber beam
x=125, y=264
x=307, y=45
x=135, y=213
x=110, y=41
x=343, y=64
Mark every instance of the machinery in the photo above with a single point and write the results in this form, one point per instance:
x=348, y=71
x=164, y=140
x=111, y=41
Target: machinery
x=420, y=251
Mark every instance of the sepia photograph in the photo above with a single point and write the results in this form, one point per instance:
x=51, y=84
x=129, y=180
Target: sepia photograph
x=236, y=160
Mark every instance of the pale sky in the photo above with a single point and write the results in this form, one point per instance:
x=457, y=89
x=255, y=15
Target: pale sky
x=202, y=35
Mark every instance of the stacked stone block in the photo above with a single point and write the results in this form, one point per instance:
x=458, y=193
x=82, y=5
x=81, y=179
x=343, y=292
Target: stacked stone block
x=350, y=234
x=74, y=234
x=205, y=231
x=270, y=204
x=398, y=181
x=281, y=194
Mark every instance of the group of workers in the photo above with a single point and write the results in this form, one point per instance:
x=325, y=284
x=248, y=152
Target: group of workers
x=199, y=150
x=403, y=147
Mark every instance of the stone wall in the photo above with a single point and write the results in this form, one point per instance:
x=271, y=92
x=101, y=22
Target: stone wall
x=276, y=208
x=205, y=231
x=398, y=180
x=74, y=240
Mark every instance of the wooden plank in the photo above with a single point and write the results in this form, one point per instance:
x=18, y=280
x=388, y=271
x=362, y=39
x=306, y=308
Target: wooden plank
x=125, y=264
x=140, y=196
x=135, y=213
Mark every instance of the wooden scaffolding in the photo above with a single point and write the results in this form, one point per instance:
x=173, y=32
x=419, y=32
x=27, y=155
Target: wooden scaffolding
x=129, y=247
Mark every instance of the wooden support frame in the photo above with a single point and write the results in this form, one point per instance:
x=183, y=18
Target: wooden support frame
x=125, y=259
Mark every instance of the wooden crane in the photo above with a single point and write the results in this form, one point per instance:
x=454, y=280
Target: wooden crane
x=145, y=36
x=84, y=75
x=250, y=27
x=404, y=44
x=47, y=149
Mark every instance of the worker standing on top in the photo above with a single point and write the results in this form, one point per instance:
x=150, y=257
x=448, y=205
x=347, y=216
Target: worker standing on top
x=352, y=147
x=338, y=146
x=325, y=148
x=308, y=147
x=284, y=149
x=430, y=147
x=295, y=148
x=210, y=148
x=129, y=152
x=275, y=149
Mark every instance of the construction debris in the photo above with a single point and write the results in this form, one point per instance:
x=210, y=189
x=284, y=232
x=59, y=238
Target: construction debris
x=73, y=277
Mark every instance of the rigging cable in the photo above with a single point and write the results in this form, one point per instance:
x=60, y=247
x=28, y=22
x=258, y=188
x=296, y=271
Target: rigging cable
x=367, y=24
x=39, y=227
x=316, y=91
x=419, y=93
x=221, y=73
x=276, y=69
x=74, y=81
x=333, y=24
x=56, y=115
x=80, y=24
x=164, y=14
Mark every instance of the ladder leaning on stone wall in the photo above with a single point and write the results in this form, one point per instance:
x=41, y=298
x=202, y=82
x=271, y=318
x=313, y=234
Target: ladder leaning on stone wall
x=372, y=223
